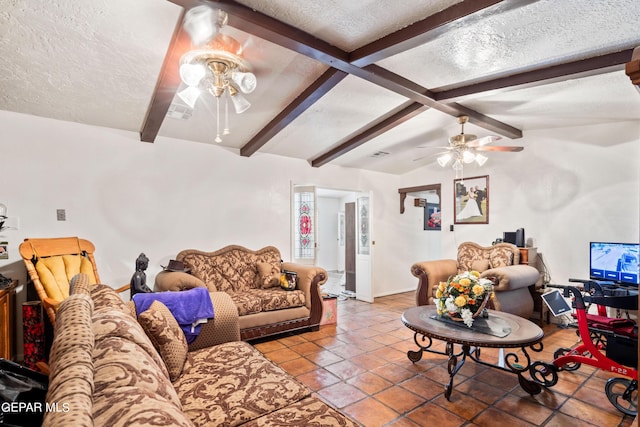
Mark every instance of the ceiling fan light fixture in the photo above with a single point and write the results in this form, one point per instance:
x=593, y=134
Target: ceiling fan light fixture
x=246, y=81
x=468, y=156
x=480, y=159
x=240, y=103
x=203, y=23
x=192, y=74
x=190, y=95
x=215, y=65
x=444, y=159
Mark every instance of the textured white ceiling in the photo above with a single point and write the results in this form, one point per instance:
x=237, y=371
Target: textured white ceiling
x=97, y=62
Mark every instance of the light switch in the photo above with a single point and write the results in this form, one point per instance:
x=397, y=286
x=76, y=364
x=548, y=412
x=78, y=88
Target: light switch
x=62, y=214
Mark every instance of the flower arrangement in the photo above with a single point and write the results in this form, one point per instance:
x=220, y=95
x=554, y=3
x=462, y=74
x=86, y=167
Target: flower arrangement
x=463, y=296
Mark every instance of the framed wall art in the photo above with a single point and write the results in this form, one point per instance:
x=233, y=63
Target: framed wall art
x=432, y=220
x=471, y=200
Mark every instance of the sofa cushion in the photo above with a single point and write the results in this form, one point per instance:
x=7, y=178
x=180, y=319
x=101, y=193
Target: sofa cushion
x=179, y=281
x=279, y=299
x=167, y=337
x=500, y=257
x=246, y=302
x=232, y=383
x=310, y=411
x=480, y=265
x=115, y=324
x=130, y=405
x=268, y=275
x=105, y=297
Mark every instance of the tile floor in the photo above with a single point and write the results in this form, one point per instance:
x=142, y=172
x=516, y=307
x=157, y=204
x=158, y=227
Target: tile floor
x=360, y=367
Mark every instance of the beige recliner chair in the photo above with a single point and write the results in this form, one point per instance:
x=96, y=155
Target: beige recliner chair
x=499, y=262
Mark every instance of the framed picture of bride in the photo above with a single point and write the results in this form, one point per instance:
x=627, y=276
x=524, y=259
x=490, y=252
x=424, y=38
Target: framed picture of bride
x=471, y=200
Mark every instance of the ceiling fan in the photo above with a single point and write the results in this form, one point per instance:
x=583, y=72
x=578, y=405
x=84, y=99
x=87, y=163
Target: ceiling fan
x=465, y=147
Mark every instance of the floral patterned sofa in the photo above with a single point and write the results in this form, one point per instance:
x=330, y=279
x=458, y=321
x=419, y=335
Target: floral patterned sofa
x=109, y=369
x=499, y=262
x=251, y=279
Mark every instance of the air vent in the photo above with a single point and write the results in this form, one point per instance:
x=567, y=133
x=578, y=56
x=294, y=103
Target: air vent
x=181, y=112
x=378, y=154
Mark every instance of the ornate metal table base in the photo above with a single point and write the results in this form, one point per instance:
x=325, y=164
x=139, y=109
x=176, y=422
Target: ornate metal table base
x=457, y=359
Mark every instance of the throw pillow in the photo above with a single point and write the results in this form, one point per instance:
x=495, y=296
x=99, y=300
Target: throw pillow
x=178, y=281
x=166, y=336
x=480, y=265
x=268, y=275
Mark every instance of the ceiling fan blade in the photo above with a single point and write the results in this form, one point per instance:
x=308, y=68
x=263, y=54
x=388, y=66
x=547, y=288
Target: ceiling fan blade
x=499, y=148
x=483, y=141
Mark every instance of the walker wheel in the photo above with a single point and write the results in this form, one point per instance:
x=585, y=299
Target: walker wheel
x=567, y=366
x=544, y=373
x=623, y=394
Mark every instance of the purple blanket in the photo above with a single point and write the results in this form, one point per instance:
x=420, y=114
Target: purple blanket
x=190, y=308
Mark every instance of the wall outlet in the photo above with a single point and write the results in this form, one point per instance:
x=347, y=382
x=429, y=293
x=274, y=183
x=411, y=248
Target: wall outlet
x=61, y=214
x=451, y=227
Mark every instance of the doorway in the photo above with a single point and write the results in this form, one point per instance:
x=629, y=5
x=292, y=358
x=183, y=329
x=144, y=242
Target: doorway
x=330, y=232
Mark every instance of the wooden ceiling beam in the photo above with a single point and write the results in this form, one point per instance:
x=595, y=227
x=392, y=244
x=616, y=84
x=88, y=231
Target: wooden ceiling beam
x=419, y=33
x=306, y=99
x=383, y=124
x=285, y=35
x=167, y=84
x=594, y=65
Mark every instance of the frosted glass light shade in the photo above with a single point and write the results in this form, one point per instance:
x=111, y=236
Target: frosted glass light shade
x=191, y=74
x=190, y=96
x=240, y=103
x=246, y=81
x=444, y=159
x=480, y=159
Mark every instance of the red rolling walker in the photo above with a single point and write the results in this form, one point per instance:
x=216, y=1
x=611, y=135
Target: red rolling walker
x=608, y=343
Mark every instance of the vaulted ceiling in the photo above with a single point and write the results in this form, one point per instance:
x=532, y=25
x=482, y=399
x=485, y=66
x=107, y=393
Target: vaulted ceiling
x=366, y=83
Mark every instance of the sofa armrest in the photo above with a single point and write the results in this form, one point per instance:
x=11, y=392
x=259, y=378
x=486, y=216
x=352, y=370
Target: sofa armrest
x=430, y=274
x=512, y=277
x=309, y=280
x=223, y=328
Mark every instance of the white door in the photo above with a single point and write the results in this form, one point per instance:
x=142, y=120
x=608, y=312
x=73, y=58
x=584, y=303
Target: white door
x=364, y=246
x=305, y=219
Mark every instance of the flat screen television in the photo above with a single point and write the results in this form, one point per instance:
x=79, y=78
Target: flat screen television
x=616, y=262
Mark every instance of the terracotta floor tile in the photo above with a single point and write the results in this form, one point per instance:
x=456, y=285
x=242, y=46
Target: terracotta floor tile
x=341, y=394
x=423, y=387
x=461, y=404
x=324, y=358
x=347, y=351
x=368, y=361
x=282, y=355
x=393, y=373
x=371, y=413
x=298, y=366
x=267, y=346
x=526, y=409
x=583, y=411
x=328, y=342
x=480, y=390
x=433, y=415
x=493, y=417
x=306, y=348
x=402, y=422
x=318, y=379
x=292, y=340
x=561, y=420
x=369, y=383
x=400, y=399
x=345, y=369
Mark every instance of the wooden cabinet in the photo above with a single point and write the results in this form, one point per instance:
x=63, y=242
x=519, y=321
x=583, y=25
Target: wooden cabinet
x=7, y=302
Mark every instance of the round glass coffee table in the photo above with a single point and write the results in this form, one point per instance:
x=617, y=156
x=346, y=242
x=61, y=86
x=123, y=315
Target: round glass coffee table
x=498, y=330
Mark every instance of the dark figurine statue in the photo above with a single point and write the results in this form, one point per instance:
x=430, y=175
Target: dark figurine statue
x=139, y=280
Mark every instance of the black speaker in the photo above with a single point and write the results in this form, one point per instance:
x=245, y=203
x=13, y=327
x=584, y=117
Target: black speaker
x=509, y=237
x=520, y=238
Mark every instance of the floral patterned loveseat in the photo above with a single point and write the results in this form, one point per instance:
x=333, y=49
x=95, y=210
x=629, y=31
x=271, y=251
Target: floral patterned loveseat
x=499, y=262
x=108, y=368
x=251, y=279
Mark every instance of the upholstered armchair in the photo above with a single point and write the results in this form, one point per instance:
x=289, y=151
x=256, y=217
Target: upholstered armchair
x=499, y=262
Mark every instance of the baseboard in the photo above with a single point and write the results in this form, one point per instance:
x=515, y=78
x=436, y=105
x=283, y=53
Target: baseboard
x=394, y=292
